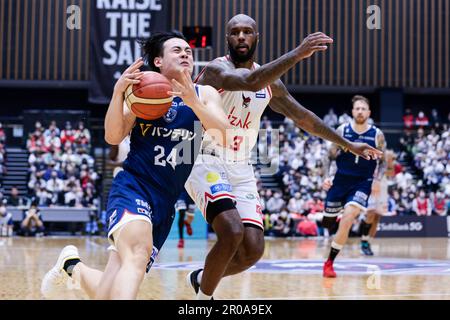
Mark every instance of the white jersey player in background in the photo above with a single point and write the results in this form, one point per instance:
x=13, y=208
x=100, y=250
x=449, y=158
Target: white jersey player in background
x=222, y=182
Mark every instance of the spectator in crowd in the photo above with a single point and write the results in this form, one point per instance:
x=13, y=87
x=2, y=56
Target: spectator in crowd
x=331, y=119
x=314, y=205
x=307, y=228
x=344, y=118
x=435, y=119
x=408, y=119
x=275, y=203
x=15, y=200
x=422, y=120
x=403, y=179
x=61, y=170
x=392, y=203
x=296, y=204
x=282, y=224
x=421, y=205
x=440, y=204
x=32, y=224
x=6, y=221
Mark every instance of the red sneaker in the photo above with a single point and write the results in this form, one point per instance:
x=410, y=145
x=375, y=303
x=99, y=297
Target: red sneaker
x=328, y=270
x=188, y=228
x=180, y=243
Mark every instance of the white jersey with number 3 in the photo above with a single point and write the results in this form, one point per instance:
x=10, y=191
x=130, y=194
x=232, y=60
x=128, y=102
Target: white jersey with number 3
x=244, y=110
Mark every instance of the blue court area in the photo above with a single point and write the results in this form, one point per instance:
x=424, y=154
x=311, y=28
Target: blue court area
x=199, y=227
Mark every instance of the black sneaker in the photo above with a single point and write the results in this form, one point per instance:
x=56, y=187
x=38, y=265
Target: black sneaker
x=191, y=280
x=365, y=248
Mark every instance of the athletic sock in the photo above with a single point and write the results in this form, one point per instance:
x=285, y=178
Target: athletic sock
x=202, y=296
x=199, y=277
x=365, y=229
x=335, y=249
x=69, y=265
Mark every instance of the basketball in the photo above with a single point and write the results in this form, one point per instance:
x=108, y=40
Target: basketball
x=149, y=99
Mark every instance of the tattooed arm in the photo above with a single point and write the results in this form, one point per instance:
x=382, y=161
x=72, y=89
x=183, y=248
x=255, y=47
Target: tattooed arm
x=382, y=164
x=282, y=102
x=222, y=74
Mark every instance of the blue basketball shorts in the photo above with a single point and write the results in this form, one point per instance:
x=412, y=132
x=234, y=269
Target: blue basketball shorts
x=131, y=199
x=347, y=190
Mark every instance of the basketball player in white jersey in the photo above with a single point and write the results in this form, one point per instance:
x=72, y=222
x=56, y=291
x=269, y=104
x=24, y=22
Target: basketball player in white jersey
x=222, y=182
x=378, y=204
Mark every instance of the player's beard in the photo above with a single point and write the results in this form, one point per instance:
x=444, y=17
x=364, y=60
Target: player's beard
x=360, y=121
x=241, y=58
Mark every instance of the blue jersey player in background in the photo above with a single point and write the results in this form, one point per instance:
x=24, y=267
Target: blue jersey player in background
x=350, y=189
x=141, y=202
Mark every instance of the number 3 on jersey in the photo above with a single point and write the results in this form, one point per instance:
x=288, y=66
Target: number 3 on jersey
x=171, y=158
x=237, y=141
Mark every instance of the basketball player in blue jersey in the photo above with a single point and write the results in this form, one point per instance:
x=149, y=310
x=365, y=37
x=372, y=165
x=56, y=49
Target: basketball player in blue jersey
x=226, y=191
x=186, y=211
x=142, y=197
x=351, y=187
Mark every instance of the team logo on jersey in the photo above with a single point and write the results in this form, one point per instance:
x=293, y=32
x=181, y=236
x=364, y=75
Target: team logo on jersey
x=261, y=94
x=220, y=187
x=250, y=196
x=237, y=122
x=212, y=177
x=170, y=115
x=245, y=101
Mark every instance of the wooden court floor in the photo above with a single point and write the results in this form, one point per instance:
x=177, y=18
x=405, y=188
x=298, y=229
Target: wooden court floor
x=408, y=268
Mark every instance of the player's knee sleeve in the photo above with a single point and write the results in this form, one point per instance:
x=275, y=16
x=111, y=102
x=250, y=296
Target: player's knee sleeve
x=215, y=208
x=329, y=222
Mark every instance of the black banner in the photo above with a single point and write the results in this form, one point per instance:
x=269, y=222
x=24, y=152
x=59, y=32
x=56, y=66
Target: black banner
x=413, y=226
x=115, y=27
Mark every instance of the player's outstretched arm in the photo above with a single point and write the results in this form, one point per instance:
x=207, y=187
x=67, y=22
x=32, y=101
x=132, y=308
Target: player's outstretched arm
x=221, y=75
x=382, y=164
x=208, y=108
x=282, y=102
x=119, y=120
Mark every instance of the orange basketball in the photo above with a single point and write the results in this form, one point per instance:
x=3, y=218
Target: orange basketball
x=149, y=99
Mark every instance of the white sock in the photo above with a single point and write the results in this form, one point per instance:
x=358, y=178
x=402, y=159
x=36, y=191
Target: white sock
x=202, y=296
x=365, y=238
x=336, y=246
x=199, y=277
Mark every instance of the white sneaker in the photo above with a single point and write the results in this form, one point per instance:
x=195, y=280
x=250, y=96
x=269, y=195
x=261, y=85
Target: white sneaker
x=54, y=280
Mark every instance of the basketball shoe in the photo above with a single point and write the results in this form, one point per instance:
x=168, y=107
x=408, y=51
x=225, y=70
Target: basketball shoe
x=366, y=249
x=180, y=244
x=53, y=283
x=192, y=280
x=328, y=270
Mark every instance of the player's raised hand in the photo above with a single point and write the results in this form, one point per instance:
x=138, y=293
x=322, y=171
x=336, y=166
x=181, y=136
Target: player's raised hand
x=314, y=42
x=365, y=151
x=327, y=183
x=184, y=88
x=130, y=76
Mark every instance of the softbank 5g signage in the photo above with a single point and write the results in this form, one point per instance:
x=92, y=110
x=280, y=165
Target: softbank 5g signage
x=115, y=27
x=413, y=226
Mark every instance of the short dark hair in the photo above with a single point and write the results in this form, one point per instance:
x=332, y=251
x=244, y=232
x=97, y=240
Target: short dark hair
x=154, y=46
x=360, y=98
